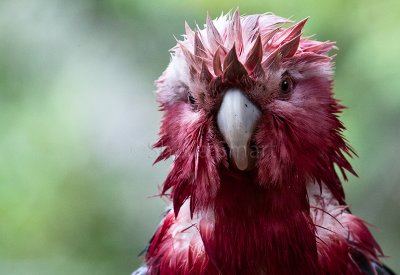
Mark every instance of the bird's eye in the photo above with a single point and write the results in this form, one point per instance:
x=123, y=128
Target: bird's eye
x=192, y=102
x=286, y=85
x=191, y=99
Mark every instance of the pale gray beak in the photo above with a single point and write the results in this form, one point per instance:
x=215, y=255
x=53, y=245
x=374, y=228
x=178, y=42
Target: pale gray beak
x=237, y=118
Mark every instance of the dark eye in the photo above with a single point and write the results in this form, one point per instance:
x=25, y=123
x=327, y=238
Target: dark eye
x=191, y=99
x=286, y=85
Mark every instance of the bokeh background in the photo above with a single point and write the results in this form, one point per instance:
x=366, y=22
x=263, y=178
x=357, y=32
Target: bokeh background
x=78, y=117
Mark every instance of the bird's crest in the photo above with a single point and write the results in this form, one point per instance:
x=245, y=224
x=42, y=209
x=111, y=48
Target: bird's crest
x=232, y=45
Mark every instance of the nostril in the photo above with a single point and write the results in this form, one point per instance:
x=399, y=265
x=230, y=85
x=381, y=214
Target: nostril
x=253, y=150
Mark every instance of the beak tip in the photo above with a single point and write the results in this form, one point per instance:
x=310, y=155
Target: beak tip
x=242, y=166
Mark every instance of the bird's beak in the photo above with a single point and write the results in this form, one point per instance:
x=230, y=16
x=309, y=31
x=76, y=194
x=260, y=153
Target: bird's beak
x=236, y=119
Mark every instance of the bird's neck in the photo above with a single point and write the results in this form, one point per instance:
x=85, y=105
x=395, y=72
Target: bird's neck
x=260, y=229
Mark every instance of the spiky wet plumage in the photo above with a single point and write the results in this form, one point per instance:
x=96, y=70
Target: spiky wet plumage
x=287, y=215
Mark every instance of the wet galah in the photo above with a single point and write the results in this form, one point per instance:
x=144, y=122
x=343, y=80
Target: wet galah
x=252, y=125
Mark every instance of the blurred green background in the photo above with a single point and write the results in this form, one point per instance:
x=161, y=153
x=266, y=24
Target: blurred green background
x=78, y=117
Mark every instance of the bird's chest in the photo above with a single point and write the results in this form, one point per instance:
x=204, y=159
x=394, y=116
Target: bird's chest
x=253, y=231
x=255, y=244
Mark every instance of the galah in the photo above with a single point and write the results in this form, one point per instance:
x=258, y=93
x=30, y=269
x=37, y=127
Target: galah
x=252, y=124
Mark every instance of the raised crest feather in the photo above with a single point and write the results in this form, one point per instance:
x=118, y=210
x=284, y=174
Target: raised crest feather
x=190, y=58
x=291, y=32
x=213, y=36
x=217, y=66
x=205, y=75
x=199, y=49
x=189, y=32
x=233, y=69
x=289, y=49
x=254, y=57
x=237, y=31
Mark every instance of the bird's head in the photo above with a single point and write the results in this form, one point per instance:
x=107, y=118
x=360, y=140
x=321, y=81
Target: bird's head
x=245, y=95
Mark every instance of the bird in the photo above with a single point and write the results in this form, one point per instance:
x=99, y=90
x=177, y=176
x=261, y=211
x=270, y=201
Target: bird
x=252, y=124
